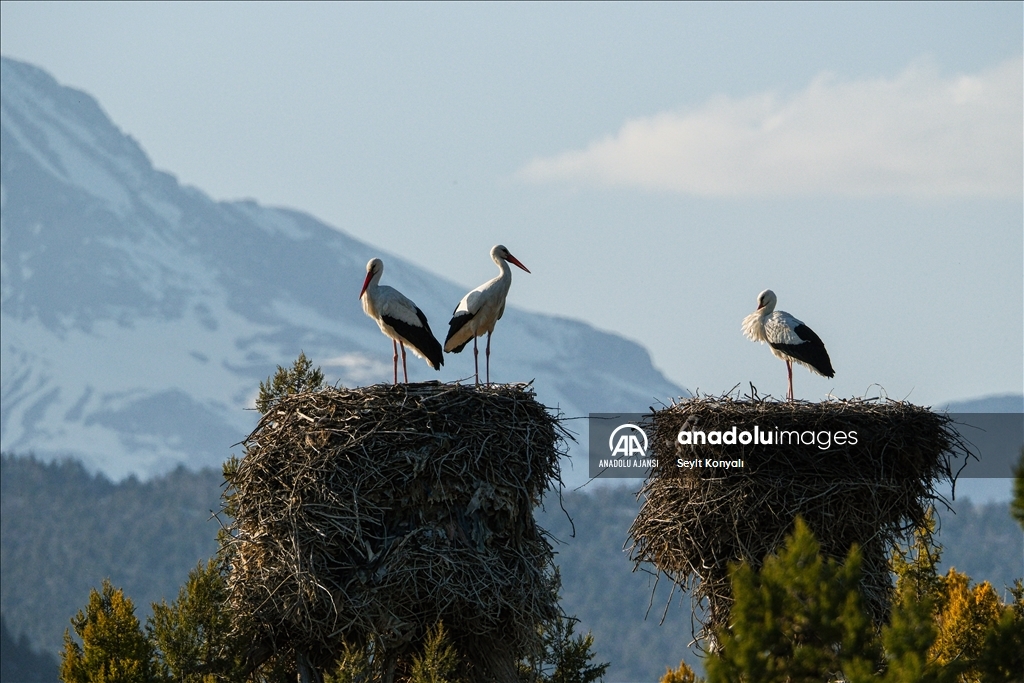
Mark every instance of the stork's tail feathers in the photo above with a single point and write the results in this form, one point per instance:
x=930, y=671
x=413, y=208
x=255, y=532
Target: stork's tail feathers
x=433, y=353
x=458, y=334
x=427, y=344
x=419, y=338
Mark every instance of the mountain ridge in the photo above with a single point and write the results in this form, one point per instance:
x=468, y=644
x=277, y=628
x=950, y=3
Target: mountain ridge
x=139, y=315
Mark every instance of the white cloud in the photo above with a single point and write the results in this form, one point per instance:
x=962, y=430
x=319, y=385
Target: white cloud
x=918, y=134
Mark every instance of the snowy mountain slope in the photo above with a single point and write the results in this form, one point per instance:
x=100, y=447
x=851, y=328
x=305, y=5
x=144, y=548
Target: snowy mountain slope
x=138, y=316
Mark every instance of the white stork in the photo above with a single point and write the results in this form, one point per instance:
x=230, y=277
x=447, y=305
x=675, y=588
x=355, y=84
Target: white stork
x=789, y=338
x=400, y=319
x=481, y=309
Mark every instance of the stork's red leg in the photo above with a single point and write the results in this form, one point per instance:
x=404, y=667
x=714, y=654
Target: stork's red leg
x=476, y=362
x=394, y=358
x=488, y=359
x=789, y=370
x=405, y=370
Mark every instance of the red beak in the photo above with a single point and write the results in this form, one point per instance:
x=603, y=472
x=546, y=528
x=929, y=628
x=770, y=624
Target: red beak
x=366, y=283
x=512, y=259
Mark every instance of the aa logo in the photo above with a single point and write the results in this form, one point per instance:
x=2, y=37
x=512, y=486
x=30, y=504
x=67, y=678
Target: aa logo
x=628, y=443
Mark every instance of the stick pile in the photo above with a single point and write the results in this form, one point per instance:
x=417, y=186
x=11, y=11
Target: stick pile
x=368, y=515
x=695, y=521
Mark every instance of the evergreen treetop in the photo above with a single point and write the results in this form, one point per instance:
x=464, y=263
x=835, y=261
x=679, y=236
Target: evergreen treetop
x=301, y=377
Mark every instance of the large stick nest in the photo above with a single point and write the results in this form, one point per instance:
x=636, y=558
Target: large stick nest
x=694, y=522
x=368, y=515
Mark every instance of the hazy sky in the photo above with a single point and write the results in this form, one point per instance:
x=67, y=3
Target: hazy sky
x=655, y=166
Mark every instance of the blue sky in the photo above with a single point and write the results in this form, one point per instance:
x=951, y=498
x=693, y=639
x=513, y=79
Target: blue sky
x=654, y=165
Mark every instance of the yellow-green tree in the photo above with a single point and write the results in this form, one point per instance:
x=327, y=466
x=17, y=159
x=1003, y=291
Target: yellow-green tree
x=193, y=635
x=907, y=639
x=113, y=647
x=682, y=674
x=945, y=628
x=962, y=619
x=439, y=660
x=353, y=666
x=1002, y=654
x=800, y=618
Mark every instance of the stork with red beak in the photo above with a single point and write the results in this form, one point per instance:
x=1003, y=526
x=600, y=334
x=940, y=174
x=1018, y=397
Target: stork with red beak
x=788, y=338
x=400, y=319
x=479, y=310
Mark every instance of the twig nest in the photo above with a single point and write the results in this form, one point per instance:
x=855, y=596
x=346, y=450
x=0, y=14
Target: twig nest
x=374, y=513
x=858, y=472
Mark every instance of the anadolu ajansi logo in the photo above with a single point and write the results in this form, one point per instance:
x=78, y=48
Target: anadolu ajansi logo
x=628, y=443
x=625, y=452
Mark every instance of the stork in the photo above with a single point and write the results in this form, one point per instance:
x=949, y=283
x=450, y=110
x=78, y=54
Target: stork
x=481, y=309
x=400, y=319
x=788, y=338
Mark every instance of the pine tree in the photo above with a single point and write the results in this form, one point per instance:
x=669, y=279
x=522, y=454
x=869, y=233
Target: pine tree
x=801, y=618
x=909, y=636
x=301, y=377
x=1001, y=659
x=943, y=629
x=566, y=658
x=192, y=635
x=439, y=660
x=19, y=661
x=114, y=648
x=353, y=666
x=916, y=568
x=571, y=655
x=682, y=674
x=966, y=614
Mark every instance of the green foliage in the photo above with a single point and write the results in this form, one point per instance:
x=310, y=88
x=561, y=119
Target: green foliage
x=1001, y=656
x=299, y=379
x=945, y=629
x=192, y=635
x=567, y=657
x=229, y=507
x=439, y=660
x=964, y=617
x=800, y=619
x=916, y=567
x=908, y=637
x=353, y=666
x=1017, y=505
x=797, y=619
x=911, y=631
x=114, y=648
x=62, y=526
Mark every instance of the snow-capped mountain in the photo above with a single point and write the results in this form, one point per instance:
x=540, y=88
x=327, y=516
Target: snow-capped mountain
x=138, y=316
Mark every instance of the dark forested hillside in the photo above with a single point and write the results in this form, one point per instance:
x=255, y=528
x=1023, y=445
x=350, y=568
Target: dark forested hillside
x=20, y=663
x=65, y=530
x=600, y=587
x=982, y=541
